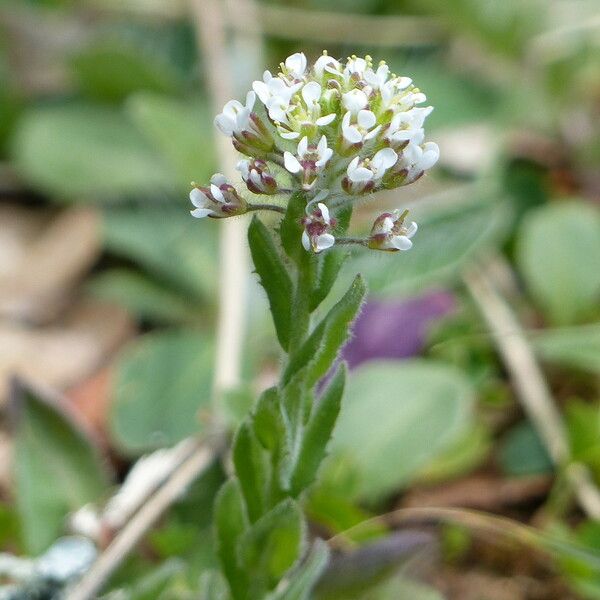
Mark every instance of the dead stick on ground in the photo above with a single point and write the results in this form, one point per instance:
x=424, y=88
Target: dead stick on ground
x=138, y=526
x=530, y=385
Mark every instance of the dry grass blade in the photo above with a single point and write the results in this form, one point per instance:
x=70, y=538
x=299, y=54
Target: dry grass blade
x=530, y=385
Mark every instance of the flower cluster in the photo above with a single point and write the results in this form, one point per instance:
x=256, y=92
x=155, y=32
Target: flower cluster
x=332, y=131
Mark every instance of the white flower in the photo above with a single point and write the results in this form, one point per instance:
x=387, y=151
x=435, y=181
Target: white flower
x=296, y=65
x=377, y=79
x=354, y=101
x=363, y=130
x=408, y=126
x=390, y=233
x=235, y=117
x=363, y=176
x=417, y=159
x=316, y=234
x=311, y=94
x=310, y=159
x=327, y=64
x=355, y=66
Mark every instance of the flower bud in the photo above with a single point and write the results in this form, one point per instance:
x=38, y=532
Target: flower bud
x=389, y=232
x=317, y=227
x=219, y=201
x=257, y=176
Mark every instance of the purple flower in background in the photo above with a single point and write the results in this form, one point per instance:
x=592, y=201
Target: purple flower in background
x=395, y=329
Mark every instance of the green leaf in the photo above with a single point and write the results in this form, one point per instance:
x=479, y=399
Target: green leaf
x=142, y=296
x=56, y=470
x=291, y=229
x=321, y=348
x=318, y=433
x=522, y=452
x=111, y=71
x=181, y=130
x=558, y=253
x=274, y=278
x=268, y=420
x=575, y=347
x=273, y=545
x=168, y=243
x=401, y=415
x=162, y=383
x=304, y=578
x=80, y=151
x=450, y=234
x=252, y=470
x=231, y=522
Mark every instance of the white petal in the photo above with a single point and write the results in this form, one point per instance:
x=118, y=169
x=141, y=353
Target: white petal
x=224, y=124
x=352, y=166
x=291, y=163
x=325, y=212
x=352, y=135
x=411, y=229
x=296, y=64
x=322, y=121
x=289, y=135
x=366, y=119
x=325, y=157
x=372, y=133
x=243, y=166
x=303, y=147
x=217, y=194
x=218, y=179
x=200, y=213
x=401, y=242
x=360, y=174
x=262, y=91
x=305, y=240
x=384, y=159
x=403, y=82
x=311, y=93
x=323, y=62
x=354, y=100
x=250, y=100
x=199, y=199
x=387, y=225
x=322, y=145
x=324, y=241
x=431, y=154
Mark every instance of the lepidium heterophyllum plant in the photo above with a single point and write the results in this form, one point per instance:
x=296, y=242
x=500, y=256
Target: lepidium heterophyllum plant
x=314, y=140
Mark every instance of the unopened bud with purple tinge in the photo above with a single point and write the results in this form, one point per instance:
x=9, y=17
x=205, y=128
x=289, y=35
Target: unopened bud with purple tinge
x=317, y=229
x=390, y=233
x=257, y=176
x=218, y=201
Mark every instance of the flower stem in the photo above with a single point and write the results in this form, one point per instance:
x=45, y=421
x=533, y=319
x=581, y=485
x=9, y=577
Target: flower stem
x=347, y=241
x=273, y=207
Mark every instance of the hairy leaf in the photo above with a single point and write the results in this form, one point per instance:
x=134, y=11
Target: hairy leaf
x=304, y=578
x=231, y=522
x=273, y=545
x=252, y=470
x=318, y=433
x=321, y=348
x=274, y=278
